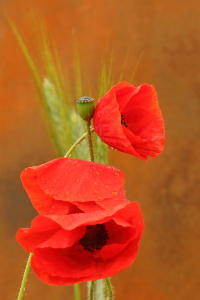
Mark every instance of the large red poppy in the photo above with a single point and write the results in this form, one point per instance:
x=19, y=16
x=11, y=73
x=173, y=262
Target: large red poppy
x=129, y=119
x=68, y=185
x=84, y=246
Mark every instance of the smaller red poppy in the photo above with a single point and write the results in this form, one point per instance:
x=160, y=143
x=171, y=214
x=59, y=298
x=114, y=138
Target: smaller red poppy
x=129, y=119
x=82, y=247
x=68, y=185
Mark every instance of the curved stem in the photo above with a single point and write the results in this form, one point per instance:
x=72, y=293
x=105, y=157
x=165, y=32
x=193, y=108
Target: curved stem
x=24, y=280
x=89, y=130
x=77, y=295
x=73, y=147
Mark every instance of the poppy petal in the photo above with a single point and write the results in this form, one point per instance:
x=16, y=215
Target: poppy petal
x=68, y=179
x=42, y=229
x=67, y=185
x=129, y=119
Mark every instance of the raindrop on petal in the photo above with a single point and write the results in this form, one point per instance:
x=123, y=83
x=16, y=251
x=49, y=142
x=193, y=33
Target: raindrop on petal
x=114, y=193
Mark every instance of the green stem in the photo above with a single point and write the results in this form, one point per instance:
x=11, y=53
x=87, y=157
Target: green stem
x=91, y=290
x=77, y=294
x=24, y=280
x=73, y=147
x=100, y=290
x=109, y=288
x=89, y=130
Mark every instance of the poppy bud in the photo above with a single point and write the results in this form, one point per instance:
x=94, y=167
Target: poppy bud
x=85, y=107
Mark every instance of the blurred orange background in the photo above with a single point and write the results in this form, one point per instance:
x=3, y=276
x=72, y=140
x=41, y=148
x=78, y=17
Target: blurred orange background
x=167, y=188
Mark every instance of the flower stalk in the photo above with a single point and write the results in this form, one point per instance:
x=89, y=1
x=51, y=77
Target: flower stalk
x=25, y=277
x=73, y=147
x=90, y=140
x=100, y=290
x=109, y=289
x=77, y=294
x=91, y=286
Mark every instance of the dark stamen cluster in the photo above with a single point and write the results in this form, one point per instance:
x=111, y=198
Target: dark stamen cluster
x=95, y=237
x=122, y=121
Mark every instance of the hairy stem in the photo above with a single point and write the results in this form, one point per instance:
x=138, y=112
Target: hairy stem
x=100, y=290
x=109, y=288
x=25, y=277
x=91, y=290
x=89, y=130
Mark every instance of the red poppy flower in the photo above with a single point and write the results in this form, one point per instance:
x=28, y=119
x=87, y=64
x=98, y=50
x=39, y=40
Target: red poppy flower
x=129, y=119
x=84, y=246
x=68, y=185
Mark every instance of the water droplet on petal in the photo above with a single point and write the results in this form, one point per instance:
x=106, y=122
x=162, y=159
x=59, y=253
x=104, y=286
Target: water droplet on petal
x=79, y=195
x=95, y=183
x=46, y=192
x=107, y=186
x=97, y=173
x=114, y=193
x=99, y=198
x=116, y=174
x=67, y=193
x=111, y=148
x=54, y=180
x=54, y=197
x=96, y=192
x=68, y=199
x=78, y=180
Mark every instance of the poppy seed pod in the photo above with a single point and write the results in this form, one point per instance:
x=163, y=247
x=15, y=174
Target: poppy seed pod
x=85, y=107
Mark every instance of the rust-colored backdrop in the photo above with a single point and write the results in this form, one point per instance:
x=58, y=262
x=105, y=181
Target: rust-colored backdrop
x=167, y=188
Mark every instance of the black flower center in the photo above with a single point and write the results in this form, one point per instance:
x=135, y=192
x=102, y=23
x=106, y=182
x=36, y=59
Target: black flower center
x=122, y=121
x=95, y=237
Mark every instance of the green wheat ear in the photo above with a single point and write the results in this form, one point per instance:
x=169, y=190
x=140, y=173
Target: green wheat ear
x=56, y=94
